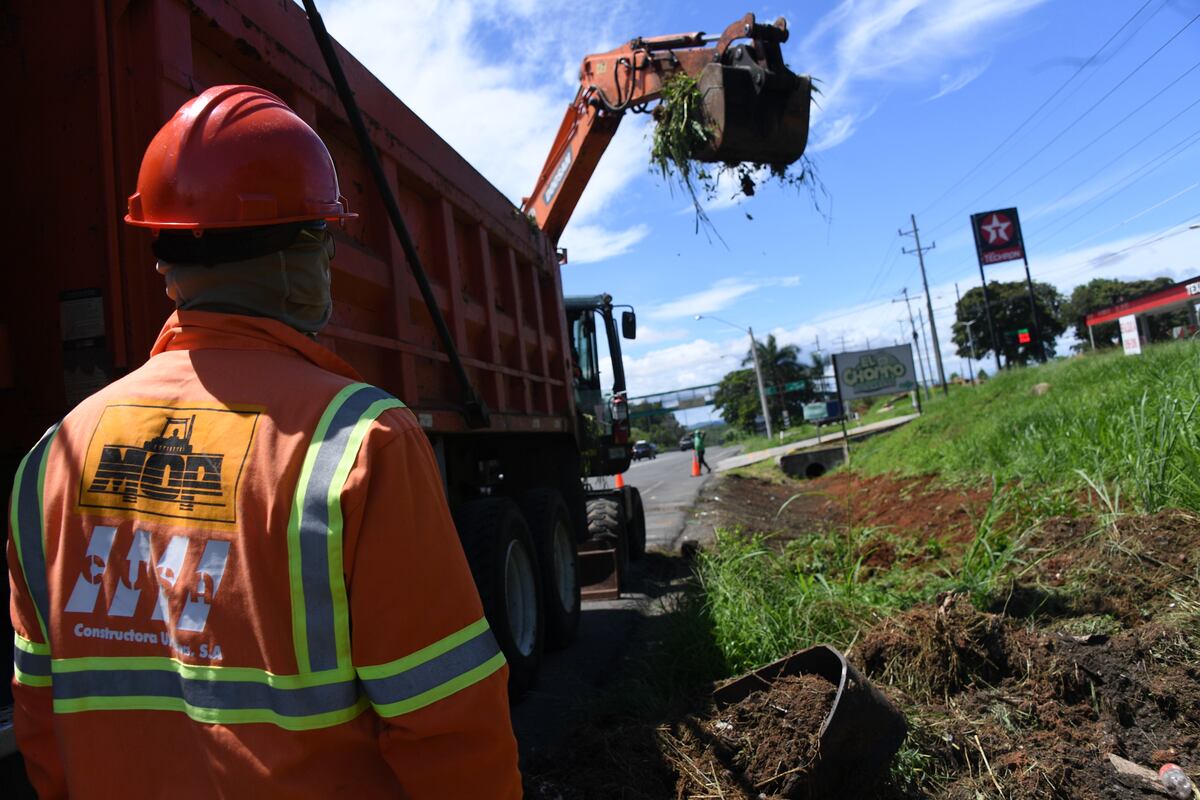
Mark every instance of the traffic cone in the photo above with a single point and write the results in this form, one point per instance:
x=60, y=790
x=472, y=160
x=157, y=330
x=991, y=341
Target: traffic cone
x=620, y=481
x=695, y=464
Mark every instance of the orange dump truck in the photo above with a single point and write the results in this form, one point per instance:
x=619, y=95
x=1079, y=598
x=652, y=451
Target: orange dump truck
x=84, y=302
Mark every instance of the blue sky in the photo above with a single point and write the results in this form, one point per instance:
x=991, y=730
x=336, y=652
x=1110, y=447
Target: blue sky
x=926, y=109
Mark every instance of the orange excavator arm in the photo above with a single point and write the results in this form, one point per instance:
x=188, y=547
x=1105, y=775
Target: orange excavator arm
x=754, y=106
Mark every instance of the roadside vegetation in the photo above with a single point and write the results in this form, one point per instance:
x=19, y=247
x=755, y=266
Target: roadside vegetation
x=1000, y=644
x=1019, y=573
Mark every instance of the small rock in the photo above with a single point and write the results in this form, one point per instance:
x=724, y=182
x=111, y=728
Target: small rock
x=1039, y=389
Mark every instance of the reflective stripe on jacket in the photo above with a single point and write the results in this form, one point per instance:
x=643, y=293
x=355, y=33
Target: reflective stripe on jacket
x=222, y=561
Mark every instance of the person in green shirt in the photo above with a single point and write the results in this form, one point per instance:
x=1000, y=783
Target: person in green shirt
x=698, y=443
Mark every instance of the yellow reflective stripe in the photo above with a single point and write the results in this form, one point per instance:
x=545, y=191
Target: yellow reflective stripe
x=424, y=654
x=26, y=679
x=204, y=673
x=444, y=690
x=337, y=581
x=30, y=646
x=211, y=715
x=295, y=565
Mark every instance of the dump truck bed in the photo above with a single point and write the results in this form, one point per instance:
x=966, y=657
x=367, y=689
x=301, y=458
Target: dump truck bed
x=86, y=303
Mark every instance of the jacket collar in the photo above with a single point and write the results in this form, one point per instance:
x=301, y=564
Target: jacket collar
x=206, y=330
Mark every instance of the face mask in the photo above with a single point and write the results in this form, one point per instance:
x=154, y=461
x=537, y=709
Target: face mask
x=291, y=285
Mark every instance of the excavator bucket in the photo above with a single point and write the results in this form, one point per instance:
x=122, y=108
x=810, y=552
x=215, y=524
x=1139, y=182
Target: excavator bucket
x=756, y=114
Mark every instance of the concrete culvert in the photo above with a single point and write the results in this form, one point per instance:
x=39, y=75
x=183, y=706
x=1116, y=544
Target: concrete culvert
x=814, y=470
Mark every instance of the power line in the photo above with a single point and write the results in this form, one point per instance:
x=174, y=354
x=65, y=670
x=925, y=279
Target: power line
x=1010, y=172
x=1112, y=128
x=1124, y=182
x=1037, y=110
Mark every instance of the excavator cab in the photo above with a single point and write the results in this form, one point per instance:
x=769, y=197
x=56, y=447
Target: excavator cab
x=756, y=108
x=604, y=424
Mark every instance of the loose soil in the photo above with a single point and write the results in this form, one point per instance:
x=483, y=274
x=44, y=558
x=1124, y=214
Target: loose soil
x=916, y=507
x=1092, y=648
x=767, y=744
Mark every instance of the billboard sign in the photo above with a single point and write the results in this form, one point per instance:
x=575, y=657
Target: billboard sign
x=867, y=373
x=1129, y=335
x=997, y=236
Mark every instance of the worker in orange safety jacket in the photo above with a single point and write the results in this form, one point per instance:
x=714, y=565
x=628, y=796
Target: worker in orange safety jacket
x=233, y=571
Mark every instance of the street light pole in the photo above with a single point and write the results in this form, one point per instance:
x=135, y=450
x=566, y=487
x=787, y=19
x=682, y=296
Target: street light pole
x=762, y=394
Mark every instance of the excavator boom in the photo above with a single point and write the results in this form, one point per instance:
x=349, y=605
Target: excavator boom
x=754, y=106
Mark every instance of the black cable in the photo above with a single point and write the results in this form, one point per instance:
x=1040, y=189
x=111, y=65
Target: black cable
x=1010, y=172
x=1035, y=112
x=1113, y=127
x=475, y=411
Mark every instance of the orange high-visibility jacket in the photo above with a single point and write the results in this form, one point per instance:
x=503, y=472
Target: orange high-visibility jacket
x=234, y=574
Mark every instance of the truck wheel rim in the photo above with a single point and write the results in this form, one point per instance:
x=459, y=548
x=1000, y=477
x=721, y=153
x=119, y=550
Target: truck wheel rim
x=564, y=565
x=520, y=598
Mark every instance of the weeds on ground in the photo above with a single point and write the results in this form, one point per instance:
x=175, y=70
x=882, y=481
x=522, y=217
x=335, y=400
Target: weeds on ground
x=1125, y=424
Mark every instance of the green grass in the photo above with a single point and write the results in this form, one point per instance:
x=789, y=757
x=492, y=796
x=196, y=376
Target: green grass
x=1123, y=427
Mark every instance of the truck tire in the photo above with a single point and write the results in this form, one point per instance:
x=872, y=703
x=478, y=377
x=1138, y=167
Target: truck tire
x=606, y=524
x=503, y=561
x=637, y=527
x=558, y=563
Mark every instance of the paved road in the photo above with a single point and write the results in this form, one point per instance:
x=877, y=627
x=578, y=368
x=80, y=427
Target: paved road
x=578, y=674
x=668, y=491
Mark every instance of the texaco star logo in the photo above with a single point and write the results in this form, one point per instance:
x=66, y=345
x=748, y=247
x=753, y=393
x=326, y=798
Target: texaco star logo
x=998, y=229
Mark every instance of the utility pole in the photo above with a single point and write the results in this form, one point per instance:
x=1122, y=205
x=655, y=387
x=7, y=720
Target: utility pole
x=920, y=251
x=925, y=340
x=762, y=395
x=916, y=341
x=970, y=334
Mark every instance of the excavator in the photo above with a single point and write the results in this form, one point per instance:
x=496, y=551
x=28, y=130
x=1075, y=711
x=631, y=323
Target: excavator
x=755, y=108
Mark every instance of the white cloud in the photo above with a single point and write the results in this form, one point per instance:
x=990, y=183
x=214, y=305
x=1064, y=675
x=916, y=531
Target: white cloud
x=587, y=244
x=1176, y=255
x=951, y=83
x=493, y=104
x=647, y=334
x=695, y=363
x=720, y=295
x=895, y=41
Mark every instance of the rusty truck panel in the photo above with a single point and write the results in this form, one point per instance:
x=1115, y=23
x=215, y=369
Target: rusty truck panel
x=84, y=301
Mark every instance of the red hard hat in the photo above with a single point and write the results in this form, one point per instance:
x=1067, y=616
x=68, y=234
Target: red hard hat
x=234, y=157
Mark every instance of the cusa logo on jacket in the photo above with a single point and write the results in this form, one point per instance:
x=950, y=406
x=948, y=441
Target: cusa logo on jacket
x=167, y=461
x=165, y=575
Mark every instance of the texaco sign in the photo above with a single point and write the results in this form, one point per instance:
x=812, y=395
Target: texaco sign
x=998, y=236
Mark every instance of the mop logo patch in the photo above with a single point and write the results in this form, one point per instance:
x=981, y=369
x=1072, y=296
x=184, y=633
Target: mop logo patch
x=168, y=461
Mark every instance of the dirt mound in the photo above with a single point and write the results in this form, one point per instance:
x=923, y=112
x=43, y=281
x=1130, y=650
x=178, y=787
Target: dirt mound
x=940, y=649
x=1126, y=569
x=764, y=745
x=915, y=508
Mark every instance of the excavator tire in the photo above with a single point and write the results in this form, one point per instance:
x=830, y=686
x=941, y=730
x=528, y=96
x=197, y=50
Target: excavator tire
x=637, y=527
x=503, y=561
x=607, y=524
x=558, y=563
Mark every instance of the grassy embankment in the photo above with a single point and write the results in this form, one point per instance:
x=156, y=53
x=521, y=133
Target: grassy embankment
x=1112, y=436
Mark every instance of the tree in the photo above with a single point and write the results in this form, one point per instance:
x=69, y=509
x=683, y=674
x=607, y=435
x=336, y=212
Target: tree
x=1101, y=293
x=737, y=395
x=661, y=428
x=1010, y=312
x=737, y=399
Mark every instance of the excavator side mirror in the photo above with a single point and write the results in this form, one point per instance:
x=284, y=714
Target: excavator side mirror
x=628, y=324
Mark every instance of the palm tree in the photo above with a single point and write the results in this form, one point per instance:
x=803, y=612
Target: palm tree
x=779, y=365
